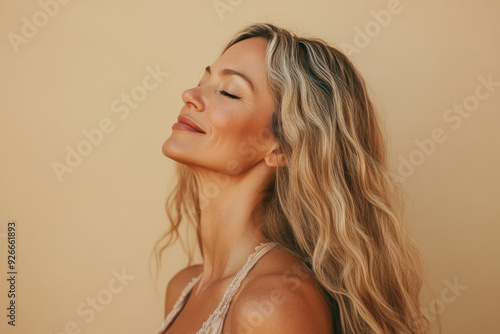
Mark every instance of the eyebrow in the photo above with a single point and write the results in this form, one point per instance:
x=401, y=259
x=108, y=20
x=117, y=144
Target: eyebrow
x=228, y=71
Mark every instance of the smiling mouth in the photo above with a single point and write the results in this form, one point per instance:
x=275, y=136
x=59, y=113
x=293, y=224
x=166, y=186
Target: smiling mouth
x=184, y=123
x=184, y=126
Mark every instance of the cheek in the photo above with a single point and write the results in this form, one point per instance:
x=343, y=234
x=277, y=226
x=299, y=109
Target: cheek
x=222, y=119
x=241, y=138
x=232, y=126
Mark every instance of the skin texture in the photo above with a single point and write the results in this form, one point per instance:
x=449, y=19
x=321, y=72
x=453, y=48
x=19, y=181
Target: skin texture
x=237, y=150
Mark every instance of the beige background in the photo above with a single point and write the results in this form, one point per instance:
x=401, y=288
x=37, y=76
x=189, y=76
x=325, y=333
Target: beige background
x=105, y=215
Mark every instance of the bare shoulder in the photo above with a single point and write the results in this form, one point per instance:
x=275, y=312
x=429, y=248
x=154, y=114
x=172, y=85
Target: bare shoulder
x=177, y=283
x=281, y=296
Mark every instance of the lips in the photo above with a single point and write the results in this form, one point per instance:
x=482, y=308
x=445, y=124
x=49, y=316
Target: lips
x=189, y=122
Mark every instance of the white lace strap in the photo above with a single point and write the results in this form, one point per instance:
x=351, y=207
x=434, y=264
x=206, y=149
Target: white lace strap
x=178, y=305
x=223, y=307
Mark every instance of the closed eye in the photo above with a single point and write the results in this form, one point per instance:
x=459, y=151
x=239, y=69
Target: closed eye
x=223, y=92
x=231, y=96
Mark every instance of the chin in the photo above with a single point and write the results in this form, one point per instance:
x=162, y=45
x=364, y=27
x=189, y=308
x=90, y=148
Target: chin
x=176, y=151
x=170, y=148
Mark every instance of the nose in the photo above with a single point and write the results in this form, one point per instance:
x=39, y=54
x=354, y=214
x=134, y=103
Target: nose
x=193, y=99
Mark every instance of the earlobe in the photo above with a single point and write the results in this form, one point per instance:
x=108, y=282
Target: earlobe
x=275, y=159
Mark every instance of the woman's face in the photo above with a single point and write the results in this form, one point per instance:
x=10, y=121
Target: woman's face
x=233, y=105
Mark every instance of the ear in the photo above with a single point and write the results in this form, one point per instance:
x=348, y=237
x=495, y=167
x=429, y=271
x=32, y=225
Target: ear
x=274, y=158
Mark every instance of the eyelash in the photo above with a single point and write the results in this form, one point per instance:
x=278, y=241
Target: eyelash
x=231, y=96
x=224, y=93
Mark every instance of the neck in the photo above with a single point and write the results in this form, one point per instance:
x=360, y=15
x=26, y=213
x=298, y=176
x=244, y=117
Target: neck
x=229, y=233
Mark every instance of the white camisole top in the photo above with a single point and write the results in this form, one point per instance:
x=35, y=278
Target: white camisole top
x=215, y=322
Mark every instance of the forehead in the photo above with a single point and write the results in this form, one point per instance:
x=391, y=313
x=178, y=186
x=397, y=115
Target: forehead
x=254, y=47
x=247, y=56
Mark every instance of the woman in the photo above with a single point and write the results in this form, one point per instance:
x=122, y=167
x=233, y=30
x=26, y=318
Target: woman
x=282, y=172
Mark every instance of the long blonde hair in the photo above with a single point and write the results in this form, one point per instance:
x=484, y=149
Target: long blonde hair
x=334, y=204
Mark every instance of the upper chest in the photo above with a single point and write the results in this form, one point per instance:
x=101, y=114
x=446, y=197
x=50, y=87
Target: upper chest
x=197, y=311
